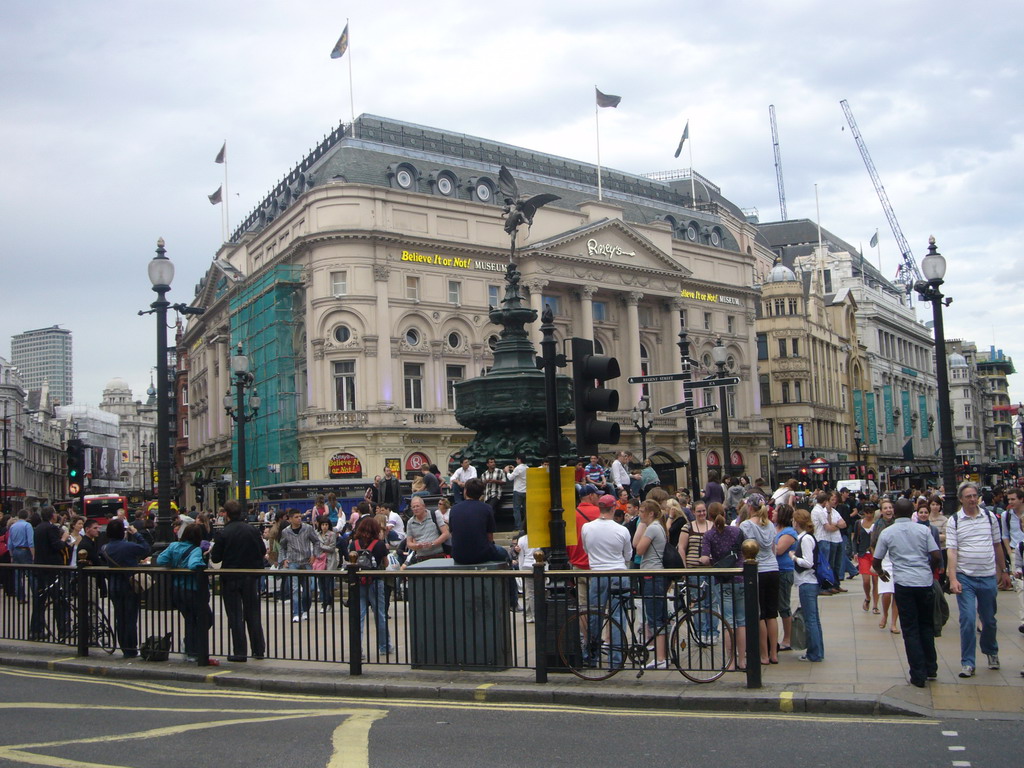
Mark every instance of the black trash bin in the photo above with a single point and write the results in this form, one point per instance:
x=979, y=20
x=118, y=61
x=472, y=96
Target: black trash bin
x=459, y=622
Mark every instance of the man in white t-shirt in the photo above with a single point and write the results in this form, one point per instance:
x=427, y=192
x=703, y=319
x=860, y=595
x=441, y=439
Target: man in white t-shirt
x=828, y=525
x=1014, y=530
x=518, y=477
x=619, y=474
x=460, y=477
x=975, y=567
x=608, y=548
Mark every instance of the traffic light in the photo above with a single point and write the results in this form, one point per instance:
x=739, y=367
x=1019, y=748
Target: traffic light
x=590, y=396
x=200, y=494
x=76, y=466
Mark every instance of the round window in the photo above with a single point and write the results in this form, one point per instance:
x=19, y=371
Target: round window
x=404, y=178
x=445, y=186
x=412, y=337
x=730, y=363
x=716, y=238
x=454, y=340
x=706, y=362
x=483, y=191
x=691, y=232
x=492, y=342
x=342, y=334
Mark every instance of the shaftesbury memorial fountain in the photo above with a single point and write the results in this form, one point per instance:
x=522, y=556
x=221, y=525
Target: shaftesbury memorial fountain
x=507, y=408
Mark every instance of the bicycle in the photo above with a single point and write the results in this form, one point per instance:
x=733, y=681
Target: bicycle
x=594, y=645
x=61, y=618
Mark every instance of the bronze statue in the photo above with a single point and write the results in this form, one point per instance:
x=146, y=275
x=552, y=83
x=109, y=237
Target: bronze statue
x=519, y=210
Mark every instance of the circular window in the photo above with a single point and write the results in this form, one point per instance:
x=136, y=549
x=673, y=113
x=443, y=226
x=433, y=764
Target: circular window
x=706, y=362
x=716, y=238
x=404, y=178
x=483, y=191
x=342, y=334
x=691, y=232
x=454, y=340
x=444, y=185
x=412, y=337
x=492, y=342
x=730, y=363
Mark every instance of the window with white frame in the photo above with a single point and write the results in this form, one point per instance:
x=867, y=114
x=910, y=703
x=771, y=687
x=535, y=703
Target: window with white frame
x=707, y=321
x=453, y=375
x=339, y=283
x=730, y=324
x=454, y=292
x=345, y=385
x=412, y=374
x=494, y=296
x=412, y=287
x=599, y=310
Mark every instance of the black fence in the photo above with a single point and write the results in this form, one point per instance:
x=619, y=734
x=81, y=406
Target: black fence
x=436, y=616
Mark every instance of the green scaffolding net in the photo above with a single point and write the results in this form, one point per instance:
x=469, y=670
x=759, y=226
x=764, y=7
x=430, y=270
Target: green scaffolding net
x=266, y=318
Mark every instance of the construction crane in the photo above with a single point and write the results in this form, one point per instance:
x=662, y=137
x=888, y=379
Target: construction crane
x=778, y=162
x=908, y=273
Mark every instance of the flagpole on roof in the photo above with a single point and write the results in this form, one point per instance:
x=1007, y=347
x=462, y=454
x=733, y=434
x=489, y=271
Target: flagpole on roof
x=597, y=126
x=693, y=193
x=225, y=219
x=351, y=94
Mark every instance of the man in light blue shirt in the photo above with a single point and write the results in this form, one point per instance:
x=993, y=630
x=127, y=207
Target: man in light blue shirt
x=913, y=553
x=22, y=544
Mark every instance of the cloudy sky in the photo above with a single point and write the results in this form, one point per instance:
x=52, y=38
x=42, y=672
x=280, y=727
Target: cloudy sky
x=113, y=110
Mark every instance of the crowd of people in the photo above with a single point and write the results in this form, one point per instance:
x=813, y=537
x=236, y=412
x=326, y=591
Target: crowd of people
x=811, y=543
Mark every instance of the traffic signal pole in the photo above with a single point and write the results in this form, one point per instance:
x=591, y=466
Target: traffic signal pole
x=558, y=558
x=691, y=421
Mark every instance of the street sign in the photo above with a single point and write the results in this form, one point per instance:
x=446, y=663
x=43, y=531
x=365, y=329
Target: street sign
x=699, y=411
x=657, y=377
x=677, y=406
x=706, y=383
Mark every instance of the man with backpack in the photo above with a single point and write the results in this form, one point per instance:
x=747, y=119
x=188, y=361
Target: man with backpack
x=913, y=553
x=975, y=564
x=239, y=545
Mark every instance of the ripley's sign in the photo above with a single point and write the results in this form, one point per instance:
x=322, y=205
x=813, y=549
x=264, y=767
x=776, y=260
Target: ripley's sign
x=595, y=248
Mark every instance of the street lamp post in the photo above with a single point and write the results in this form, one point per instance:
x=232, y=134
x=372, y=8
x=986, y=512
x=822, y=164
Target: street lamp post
x=143, y=470
x=152, y=463
x=719, y=354
x=691, y=421
x=241, y=414
x=773, y=454
x=161, y=273
x=643, y=422
x=933, y=267
x=862, y=458
x=856, y=449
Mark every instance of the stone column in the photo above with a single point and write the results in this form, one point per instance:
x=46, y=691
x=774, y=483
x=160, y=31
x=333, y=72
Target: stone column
x=631, y=343
x=385, y=383
x=586, y=294
x=536, y=287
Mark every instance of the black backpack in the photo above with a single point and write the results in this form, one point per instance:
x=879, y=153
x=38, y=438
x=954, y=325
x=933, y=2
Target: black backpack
x=814, y=554
x=670, y=557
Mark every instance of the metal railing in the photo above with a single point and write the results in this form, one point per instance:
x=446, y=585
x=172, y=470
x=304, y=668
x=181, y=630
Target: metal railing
x=591, y=624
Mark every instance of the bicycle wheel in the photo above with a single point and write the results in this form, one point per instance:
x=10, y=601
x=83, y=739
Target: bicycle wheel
x=697, y=645
x=61, y=619
x=592, y=645
x=101, y=634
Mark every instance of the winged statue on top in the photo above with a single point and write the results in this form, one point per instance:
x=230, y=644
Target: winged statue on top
x=518, y=209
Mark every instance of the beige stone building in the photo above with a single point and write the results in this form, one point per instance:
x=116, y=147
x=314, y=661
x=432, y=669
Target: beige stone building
x=360, y=288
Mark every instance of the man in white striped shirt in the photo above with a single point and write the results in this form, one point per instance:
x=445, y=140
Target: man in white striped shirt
x=975, y=567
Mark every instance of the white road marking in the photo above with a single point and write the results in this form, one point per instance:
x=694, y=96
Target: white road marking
x=950, y=733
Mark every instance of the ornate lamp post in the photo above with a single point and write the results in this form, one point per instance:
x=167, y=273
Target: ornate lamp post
x=720, y=354
x=240, y=411
x=773, y=454
x=856, y=449
x=643, y=422
x=865, y=448
x=161, y=273
x=933, y=267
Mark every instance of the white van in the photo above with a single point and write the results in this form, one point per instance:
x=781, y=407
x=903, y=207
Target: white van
x=858, y=486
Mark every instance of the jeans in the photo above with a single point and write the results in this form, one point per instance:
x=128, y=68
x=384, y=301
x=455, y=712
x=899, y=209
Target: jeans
x=701, y=595
x=809, y=604
x=837, y=560
x=23, y=556
x=849, y=569
x=194, y=606
x=978, y=596
x=653, y=589
x=519, y=508
x=242, y=606
x=917, y=609
x=827, y=551
x=126, y=614
x=300, y=589
x=728, y=601
x=611, y=592
x=372, y=594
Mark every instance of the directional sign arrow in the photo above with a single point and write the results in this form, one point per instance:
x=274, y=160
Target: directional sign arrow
x=698, y=411
x=677, y=406
x=657, y=377
x=706, y=383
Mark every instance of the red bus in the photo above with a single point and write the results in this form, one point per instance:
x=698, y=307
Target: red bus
x=103, y=507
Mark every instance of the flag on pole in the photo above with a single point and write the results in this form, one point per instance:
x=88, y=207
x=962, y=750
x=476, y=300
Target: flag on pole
x=686, y=135
x=216, y=196
x=874, y=240
x=341, y=46
x=607, y=100
x=223, y=154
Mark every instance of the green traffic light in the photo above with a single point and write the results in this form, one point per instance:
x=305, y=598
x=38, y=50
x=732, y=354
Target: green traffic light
x=73, y=473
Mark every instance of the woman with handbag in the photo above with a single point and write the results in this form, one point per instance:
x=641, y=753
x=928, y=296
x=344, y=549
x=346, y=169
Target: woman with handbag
x=326, y=560
x=758, y=526
x=806, y=581
x=190, y=594
x=119, y=553
x=785, y=542
x=721, y=547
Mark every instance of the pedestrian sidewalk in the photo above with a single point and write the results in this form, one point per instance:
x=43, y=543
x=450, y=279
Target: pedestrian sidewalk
x=864, y=673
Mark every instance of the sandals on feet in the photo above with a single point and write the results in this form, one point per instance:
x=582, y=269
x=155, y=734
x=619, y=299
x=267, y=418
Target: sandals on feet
x=867, y=603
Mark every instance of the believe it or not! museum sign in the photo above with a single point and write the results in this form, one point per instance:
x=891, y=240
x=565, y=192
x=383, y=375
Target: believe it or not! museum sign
x=452, y=262
x=344, y=465
x=710, y=298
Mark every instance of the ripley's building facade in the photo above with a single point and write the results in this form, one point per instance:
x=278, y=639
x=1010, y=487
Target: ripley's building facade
x=360, y=289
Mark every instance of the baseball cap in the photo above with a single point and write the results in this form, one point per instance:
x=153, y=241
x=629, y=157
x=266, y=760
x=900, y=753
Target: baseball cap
x=586, y=489
x=606, y=501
